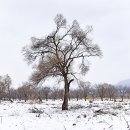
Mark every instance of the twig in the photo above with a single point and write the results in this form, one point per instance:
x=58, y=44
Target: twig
x=47, y=114
x=126, y=123
x=64, y=127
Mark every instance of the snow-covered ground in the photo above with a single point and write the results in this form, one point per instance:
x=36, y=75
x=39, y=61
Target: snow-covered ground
x=81, y=115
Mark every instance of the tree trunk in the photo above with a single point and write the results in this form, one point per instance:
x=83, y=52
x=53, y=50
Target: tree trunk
x=122, y=98
x=77, y=98
x=46, y=98
x=40, y=99
x=85, y=98
x=93, y=98
x=25, y=97
x=66, y=94
x=101, y=98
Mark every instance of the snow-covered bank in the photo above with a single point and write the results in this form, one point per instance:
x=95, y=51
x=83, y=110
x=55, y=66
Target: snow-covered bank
x=49, y=116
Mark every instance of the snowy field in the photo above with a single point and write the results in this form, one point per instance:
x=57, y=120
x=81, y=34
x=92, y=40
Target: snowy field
x=81, y=115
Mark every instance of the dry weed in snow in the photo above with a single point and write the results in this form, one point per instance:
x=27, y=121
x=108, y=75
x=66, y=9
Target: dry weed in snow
x=82, y=115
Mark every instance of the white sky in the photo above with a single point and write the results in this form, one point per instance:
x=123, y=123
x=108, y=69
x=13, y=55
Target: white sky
x=22, y=19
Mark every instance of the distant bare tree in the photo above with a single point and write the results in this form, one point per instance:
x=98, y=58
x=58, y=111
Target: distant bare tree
x=60, y=93
x=7, y=82
x=2, y=88
x=76, y=93
x=93, y=92
x=111, y=91
x=57, y=52
x=25, y=91
x=122, y=92
x=46, y=90
x=13, y=94
x=101, y=89
x=128, y=92
x=54, y=93
x=85, y=86
x=37, y=93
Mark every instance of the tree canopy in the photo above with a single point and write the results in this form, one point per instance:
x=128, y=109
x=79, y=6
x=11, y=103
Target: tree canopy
x=56, y=53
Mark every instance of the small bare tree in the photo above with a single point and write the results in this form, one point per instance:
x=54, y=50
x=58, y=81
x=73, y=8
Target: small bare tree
x=57, y=52
x=122, y=92
x=128, y=92
x=101, y=89
x=25, y=91
x=7, y=82
x=85, y=89
x=93, y=92
x=46, y=91
x=54, y=93
x=13, y=94
x=60, y=93
x=76, y=93
x=2, y=89
x=111, y=91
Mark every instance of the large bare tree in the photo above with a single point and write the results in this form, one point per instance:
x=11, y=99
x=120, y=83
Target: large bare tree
x=56, y=53
x=8, y=82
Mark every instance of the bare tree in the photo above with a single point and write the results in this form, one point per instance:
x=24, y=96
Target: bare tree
x=122, y=92
x=111, y=91
x=60, y=93
x=25, y=91
x=76, y=93
x=54, y=93
x=93, y=92
x=85, y=88
x=101, y=88
x=128, y=92
x=37, y=93
x=45, y=91
x=57, y=52
x=7, y=82
x=13, y=94
x=2, y=88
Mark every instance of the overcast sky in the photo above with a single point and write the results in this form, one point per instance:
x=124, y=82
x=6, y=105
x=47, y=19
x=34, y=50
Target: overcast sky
x=22, y=19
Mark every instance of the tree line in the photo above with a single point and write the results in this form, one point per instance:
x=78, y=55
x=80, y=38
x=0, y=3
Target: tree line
x=85, y=91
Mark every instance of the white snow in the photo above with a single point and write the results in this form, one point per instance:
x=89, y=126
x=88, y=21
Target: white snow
x=82, y=115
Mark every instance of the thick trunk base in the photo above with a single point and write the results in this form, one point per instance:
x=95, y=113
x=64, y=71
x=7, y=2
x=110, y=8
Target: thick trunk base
x=65, y=106
x=66, y=93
